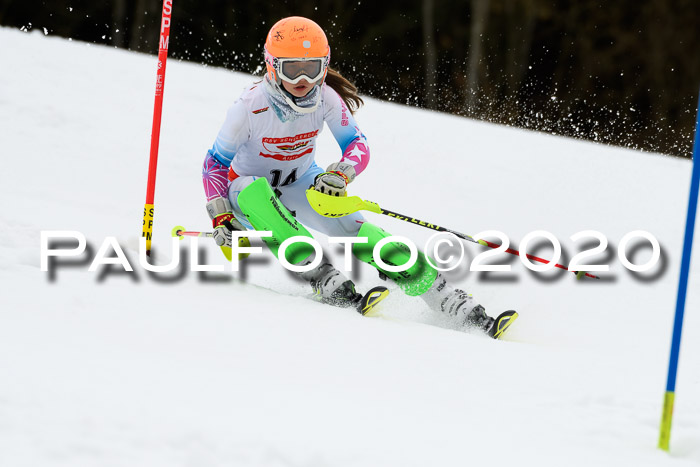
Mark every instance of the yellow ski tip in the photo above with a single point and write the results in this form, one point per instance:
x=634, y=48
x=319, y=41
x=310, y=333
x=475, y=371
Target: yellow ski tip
x=373, y=298
x=504, y=322
x=243, y=242
x=228, y=251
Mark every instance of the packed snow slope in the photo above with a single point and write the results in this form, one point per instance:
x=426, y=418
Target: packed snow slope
x=113, y=368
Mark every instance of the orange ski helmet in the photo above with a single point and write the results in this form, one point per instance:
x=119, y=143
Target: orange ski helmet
x=296, y=48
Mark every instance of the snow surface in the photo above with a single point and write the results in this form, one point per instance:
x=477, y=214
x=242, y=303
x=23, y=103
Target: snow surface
x=134, y=369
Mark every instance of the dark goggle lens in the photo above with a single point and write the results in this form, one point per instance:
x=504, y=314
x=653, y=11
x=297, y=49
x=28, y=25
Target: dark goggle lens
x=295, y=69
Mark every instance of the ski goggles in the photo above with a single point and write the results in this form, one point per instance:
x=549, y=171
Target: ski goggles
x=293, y=70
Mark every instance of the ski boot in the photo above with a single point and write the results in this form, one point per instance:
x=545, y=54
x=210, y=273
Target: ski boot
x=330, y=286
x=494, y=327
x=455, y=302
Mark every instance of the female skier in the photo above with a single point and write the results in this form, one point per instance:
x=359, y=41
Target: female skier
x=262, y=162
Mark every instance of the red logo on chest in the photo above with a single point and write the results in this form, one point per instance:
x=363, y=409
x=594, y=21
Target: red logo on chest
x=289, y=148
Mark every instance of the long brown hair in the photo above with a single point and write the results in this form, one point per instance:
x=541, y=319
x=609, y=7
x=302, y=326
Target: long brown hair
x=345, y=89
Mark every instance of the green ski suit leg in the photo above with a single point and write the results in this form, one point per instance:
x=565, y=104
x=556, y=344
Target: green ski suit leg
x=265, y=212
x=414, y=281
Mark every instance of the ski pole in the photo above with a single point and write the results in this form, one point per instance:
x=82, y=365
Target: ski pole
x=155, y=130
x=180, y=232
x=335, y=206
x=243, y=242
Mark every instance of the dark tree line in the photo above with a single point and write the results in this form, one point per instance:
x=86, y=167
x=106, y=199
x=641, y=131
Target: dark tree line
x=625, y=72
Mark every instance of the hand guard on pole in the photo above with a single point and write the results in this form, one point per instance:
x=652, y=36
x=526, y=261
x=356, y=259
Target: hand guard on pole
x=335, y=179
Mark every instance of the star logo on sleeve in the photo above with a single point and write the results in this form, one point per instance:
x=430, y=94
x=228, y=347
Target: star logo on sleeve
x=356, y=154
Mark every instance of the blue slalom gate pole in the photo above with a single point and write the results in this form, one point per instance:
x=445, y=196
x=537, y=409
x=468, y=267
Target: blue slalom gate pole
x=667, y=414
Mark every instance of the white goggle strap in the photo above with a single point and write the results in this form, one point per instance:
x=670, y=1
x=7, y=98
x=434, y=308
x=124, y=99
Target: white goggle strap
x=273, y=62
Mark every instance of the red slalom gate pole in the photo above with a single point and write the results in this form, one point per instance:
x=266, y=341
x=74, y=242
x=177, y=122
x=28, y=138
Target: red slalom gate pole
x=155, y=131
